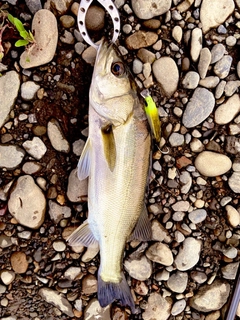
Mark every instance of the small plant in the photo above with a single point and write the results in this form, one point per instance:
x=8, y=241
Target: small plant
x=27, y=36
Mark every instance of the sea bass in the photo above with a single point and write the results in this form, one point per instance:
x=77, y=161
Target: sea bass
x=116, y=161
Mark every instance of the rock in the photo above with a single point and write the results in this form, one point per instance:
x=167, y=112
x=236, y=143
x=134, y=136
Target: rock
x=232, y=145
x=177, y=33
x=59, y=7
x=185, y=5
x=217, y=52
x=198, y=108
x=160, y=253
x=141, y=39
x=196, y=145
x=166, y=73
x=11, y=156
x=222, y=67
x=56, y=299
x=209, y=82
x=231, y=41
x=186, y=182
x=56, y=136
x=67, y=21
x=137, y=66
x=57, y=212
x=35, y=147
x=231, y=87
x=178, y=307
x=29, y=90
x=230, y=252
x=67, y=37
x=226, y=112
x=140, y=269
x=233, y=216
x=152, y=24
x=212, y=164
x=199, y=277
x=213, y=13
x=189, y=254
x=27, y=203
x=19, y=262
x=181, y=206
x=204, y=62
x=197, y=216
x=95, y=18
x=31, y=167
x=7, y=276
x=94, y=311
x=72, y=273
x=233, y=182
x=159, y=233
x=147, y=9
x=90, y=253
x=5, y=241
x=77, y=190
x=176, y=139
x=190, y=80
x=59, y=246
x=89, y=55
x=89, y=284
x=146, y=56
x=211, y=297
x=178, y=282
x=230, y=271
x=9, y=87
x=196, y=44
x=157, y=307
x=34, y=6
x=45, y=31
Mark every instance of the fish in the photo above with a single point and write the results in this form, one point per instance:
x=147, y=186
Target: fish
x=116, y=160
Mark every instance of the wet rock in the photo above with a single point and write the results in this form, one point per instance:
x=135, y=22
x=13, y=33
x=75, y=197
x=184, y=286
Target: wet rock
x=44, y=28
x=141, y=39
x=166, y=73
x=211, y=297
x=29, y=90
x=160, y=253
x=56, y=136
x=157, y=307
x=228, y=110
x=222, y=67
x=56, y=299
x=27, y=203
x=94, y=311
x=213, y=13
x=19, y=262
x=198, y=108
x=77, y=190
x=178, y=282
x=9, y=86
x=196, y=44
x=58, y=212
x=147, y=9
x=11, y=156
x=35, y=147
x=189, y=254
x=212, y=164
x=140, y=269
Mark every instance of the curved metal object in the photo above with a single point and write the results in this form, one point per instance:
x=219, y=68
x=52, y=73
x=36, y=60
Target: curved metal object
x=110, y=8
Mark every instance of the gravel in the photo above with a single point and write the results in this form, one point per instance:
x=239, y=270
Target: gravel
x=186, y=53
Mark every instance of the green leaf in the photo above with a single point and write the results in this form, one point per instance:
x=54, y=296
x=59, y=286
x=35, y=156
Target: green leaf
x=18, y=24
x=21, y=43
x=24, y=34
x=10, y=18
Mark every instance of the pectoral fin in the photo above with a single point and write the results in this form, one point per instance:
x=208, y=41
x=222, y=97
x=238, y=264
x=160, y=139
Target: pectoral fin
x=84, y=162
x=143, y=229
x=82, y=236
x=109, y=146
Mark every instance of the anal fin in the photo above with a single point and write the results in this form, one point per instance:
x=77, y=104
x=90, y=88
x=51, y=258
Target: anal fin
x=143, y=229
x=82, y=236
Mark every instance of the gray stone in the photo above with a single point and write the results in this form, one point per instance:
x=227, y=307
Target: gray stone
x=59, y=7
x=231, y=87
x=9, y=86
x=186, y=181
x=197, y=216
x=35, y=147
x=220, y=89
x=34, y=5
x=147, y=9
x=140, y=269
x=176, y=139
x=178, y=282
x=217, y=52
x=230, y=271
x=94, y=311
x=198, y=108
x=178, y=307
x=209, y=82
x=190, y=80
x=233, y=182
x=58, y=212
x=11, y=156
x=231, y=41
x=222, y=67
x=77, y=190
x=204, y=62
x=157, y=308
x=196, y=44
x=160, y=253
x=189, y=254
x=56, y=136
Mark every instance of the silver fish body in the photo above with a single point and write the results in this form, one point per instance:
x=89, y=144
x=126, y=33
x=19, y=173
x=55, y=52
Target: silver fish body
x=116, y=160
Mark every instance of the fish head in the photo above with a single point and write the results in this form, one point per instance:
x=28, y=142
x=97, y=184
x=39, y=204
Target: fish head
x=113, y=91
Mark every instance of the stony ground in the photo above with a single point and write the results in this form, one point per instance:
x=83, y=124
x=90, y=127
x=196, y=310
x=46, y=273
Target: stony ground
x=187, y=54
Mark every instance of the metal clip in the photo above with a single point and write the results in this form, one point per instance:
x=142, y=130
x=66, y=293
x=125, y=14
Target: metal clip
x=110, y=8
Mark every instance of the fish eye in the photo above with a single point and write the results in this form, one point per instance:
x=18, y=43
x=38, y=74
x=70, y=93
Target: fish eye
x=118, y=69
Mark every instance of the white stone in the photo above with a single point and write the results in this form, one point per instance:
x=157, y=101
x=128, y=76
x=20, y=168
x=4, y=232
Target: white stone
x=178, y=307
x=160, y=253
x=158, y=307
x=222, y=67
x=196, y=44
x=35, y=147
x=189, y=254
x=57, y=137
x=177, y=33
x=233, y=216
x=226, y=112
x=10, y=156
x=233, y=182
x=140, y=269
x=7, y=276
x=147, y=9
x=29, y=90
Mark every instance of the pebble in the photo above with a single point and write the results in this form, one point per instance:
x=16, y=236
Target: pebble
x=176, y=139
x=35, y=147
x=209, y=82
x=9, y=87
x=198, y=108
x=230, y=252
x=56, y=136
x=89, y=55
x=58, y=212
x=27, y=203
x=189, y=254
x=5, y=241
x=229, y=271
x=7, y=276
x=146, y=56
x=213, y=13
x=158, y=307
x=95, y=311
x=177, y=34
x=72, y=273
x=160, y=253
x=77, y=190
x=226, y=112
x=181, y=206
x=34, y=6
x=178, y=307
x=89, y=284
x=186, y=181
x=199, y=277
x=67, y=21
x=231, y=87
x=204, y=62
x=233, y=182
x=137, y=66
x=190, y=80
x=19, y=262
x=141, y=39
x=212, y=164
x=196, y=145
x=147, y=9
x=197, y=216
x=217, y=52
x=159, y=233
x=59, y=246
x=166, y=73
x=152, y=24
x=56, y=299
x=178, y=282
x=45, y=30
x=29, y=90
x=60, y=6
x=211, y=297
x=140, y=269
x=11, y=156
x=222, y=67
x=95, y=18
x=90, y=253
x=67, y=37
x=233, y=216
x=185, y=5
x=231, y=41
x=196, y=44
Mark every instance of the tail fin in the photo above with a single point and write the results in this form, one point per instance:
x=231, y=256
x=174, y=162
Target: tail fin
x=109, y=291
